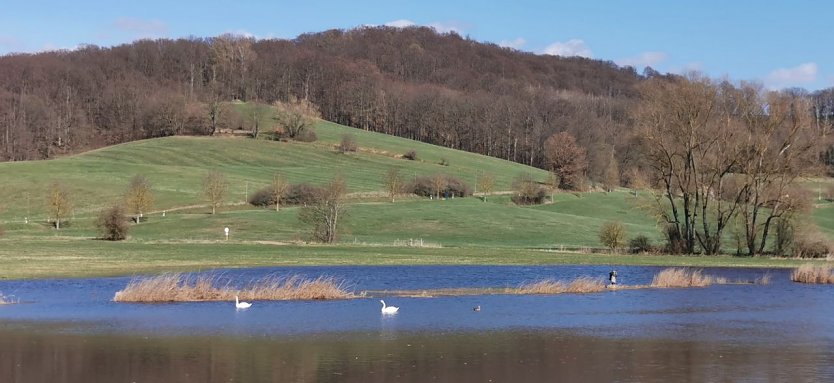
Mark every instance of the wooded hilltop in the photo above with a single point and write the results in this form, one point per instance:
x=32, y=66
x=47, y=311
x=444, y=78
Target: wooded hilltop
x=410, y=82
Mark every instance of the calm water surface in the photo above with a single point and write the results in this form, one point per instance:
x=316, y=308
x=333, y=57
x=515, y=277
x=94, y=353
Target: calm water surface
x=71, y=331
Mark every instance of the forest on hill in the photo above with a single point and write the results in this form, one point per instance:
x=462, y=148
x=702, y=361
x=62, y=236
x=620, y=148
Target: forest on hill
x=410, y=82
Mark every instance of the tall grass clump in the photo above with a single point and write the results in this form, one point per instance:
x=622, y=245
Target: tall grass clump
x=813, y=274
x=182, y=288
x=550, y=286
x=682, y=277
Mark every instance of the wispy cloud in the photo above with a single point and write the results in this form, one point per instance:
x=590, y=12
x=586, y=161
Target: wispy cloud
x=401, y=23
x=643, y=60
x=572, y=47
x=515, y=44
x=799, y=75
x=139, y=28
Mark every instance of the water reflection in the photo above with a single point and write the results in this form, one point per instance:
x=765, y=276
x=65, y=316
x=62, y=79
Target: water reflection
x=41, y=355
x=71, y=331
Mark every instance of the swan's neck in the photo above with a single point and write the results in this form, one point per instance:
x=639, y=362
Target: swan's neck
x=383, y=303
x=236, y=301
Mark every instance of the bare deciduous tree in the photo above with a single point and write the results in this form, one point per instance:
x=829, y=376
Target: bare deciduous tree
x=295, y=117
x=612, y=235
x=394, y=183
x=58, y=203
x=214, y=189
x=326, y=211
x=566, y=159
x=782, y=146
x=486, y=183
x=139, y=196
x=438, y=184
x=279, y=186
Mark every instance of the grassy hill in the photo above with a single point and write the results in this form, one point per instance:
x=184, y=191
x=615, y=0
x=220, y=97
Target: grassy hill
x=176, y=165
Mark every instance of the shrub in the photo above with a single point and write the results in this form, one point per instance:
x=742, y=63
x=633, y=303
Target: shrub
x=424, y=187
x=113, y=224
x=612, y=235
x=812, y=246
x=296, y=194
x=444, y=162
x=348, y=144
x=456, y=187
x=300, y=194
x=263, y=198
x=307, y=136
x=528, y=191
x=640, y=244
x=410, y=155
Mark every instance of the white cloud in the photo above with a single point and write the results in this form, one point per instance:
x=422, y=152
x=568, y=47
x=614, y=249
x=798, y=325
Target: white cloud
x=401, y=23
x=572, y=47
x=515, y=44
x=643, y=60
x=141, y=28
x=802, y=74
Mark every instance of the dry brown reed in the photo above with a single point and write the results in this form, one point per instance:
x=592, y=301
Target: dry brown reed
x=809, y=273
x=682, y=277
x=182, y=288
x=550, y=286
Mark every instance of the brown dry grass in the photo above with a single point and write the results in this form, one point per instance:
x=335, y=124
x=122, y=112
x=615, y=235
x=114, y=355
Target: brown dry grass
x=182, y=288
x=682, y=277
x=813, y=274
x=550, y=286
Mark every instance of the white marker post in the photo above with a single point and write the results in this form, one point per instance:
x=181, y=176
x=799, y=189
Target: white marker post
x=226, y=230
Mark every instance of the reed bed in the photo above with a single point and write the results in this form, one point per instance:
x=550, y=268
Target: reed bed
x=549, y=286
x=823, y=274
x=183, y=288
x=683, y=277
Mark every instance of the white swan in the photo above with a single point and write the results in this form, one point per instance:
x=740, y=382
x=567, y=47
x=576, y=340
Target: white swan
x=242, y=305
x=388, y=309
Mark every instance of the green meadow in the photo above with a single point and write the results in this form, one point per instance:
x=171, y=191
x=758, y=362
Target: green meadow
x=180, y=234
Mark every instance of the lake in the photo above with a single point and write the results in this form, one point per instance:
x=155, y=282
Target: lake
x=69, y=330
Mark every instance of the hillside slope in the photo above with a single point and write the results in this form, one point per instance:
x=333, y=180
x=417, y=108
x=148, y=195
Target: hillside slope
x=176, y=166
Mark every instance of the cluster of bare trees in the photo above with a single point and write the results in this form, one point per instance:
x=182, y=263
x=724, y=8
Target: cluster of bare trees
x=725, y=155
x=412, y=82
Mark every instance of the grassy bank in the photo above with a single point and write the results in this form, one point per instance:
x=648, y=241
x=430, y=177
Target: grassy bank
x=62, y=257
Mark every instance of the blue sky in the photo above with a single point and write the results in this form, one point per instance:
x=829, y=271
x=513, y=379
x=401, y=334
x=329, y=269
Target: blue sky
x=780, y=44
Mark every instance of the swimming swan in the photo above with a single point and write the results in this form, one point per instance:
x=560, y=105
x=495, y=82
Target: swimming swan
x=388, y=309
x=242, y=305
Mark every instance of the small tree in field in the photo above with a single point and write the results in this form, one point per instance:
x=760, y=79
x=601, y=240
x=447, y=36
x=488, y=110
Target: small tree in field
x=296, y=118
x=327, y=209
x=279, y=186
x=394, y=183
x=612, y=235
x=214, y=189
x=112, y=224
x=486, y=182
x=347, y=144
x=139, y=196
x=438, y=184
x=58, y=203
